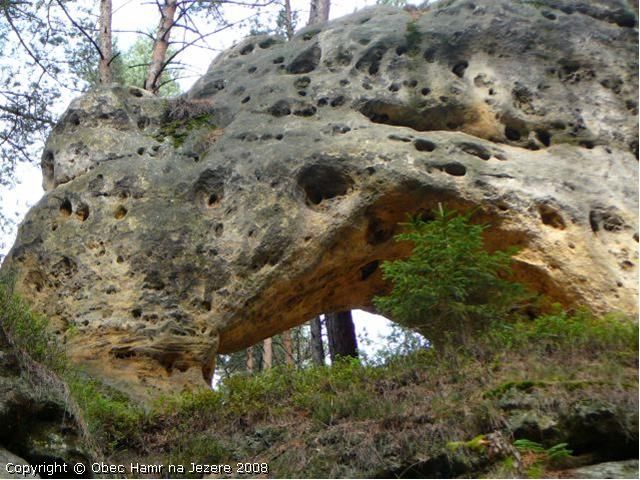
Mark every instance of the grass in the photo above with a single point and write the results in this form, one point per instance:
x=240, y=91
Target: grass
x=352, y=419
x=27, y=331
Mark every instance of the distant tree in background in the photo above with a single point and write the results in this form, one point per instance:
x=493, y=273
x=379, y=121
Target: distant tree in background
x=317, y=346
x=133, y=65
x=283, y=23
x=318, y=11
x=38, y=44
x=105, y=43
x=341, y=334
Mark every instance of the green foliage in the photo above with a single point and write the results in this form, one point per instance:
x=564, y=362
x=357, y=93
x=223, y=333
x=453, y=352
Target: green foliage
x=113, y=419
x=413, y=37
x=562, y=331
x=132, y=68
x=476, y=443
x=28, y=331
x=539, y=458
x=202, y=449
x=179, y=130
x=450, y=283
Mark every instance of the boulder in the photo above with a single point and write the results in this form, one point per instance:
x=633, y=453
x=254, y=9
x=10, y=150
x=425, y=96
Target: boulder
x=35, y=418
x=622, y=469
x=7, y=462
x=176, y=229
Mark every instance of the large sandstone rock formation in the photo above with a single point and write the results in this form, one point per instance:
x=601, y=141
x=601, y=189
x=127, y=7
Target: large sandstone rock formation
x=175, y=229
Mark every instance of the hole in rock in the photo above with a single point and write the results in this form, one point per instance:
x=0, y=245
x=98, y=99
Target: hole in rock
x=423, y=145
x=459, y=68
x=302, y=82
x=550, y=216
x=82, y=212
x=438, y=117
x=306, y=62
x=247, y=49
x=74, y=119
x=212, y=200
x=269, y=42
x=372, y=58
x=338, y=101
x=369, y=269
x=322, y=182
x=65, y=208
x=475, y=150
x=454, y=168
x=606, y=218
x=280, y=109
x=379, y=231
x=208, y=189
x=120, y=213
x=143, y=122
x=512, y=134
x=544, y=137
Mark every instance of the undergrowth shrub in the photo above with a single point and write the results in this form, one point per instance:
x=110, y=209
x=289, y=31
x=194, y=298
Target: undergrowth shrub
x=580, y=331
x=201, y=449
x=450, y=284
x=28, y=331
x=112, y=418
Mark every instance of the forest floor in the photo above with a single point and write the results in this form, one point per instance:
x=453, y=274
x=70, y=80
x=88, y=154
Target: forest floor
x=531, y=398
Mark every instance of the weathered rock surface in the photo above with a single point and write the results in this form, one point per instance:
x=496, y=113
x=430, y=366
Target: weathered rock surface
x=34, y=421
x=7, y=462
x=623, y=469
x=173, y=230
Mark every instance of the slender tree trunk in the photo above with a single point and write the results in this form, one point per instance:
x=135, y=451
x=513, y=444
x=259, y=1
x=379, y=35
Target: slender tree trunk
x=267, y=357
x=319, y=11
x=317, y=350
x=106, y=42
x=342, y=335
x=288, y=18
x=287, y=345
x=250, y=360
x=160, y=46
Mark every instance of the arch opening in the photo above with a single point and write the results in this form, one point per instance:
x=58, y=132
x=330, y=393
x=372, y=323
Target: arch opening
x=346, y=275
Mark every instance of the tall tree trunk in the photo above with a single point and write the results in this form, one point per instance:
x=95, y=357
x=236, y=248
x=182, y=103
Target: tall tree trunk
x=267, y=357
x=160, y=46
x=319, y=11
x=317, y=350
x=287, y=345
x=250, y=360
x=342, y=335
x=288, y=18
x=106, y=42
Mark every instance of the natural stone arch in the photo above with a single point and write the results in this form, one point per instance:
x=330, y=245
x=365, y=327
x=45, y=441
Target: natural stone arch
x=172, y=230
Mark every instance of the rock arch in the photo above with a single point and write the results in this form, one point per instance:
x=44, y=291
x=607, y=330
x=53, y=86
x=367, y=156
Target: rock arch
x=172, y=230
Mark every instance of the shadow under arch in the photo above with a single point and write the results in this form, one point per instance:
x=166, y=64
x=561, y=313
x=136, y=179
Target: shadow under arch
x=347, y=274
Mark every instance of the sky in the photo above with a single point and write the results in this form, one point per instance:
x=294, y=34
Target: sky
x=131, y=15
